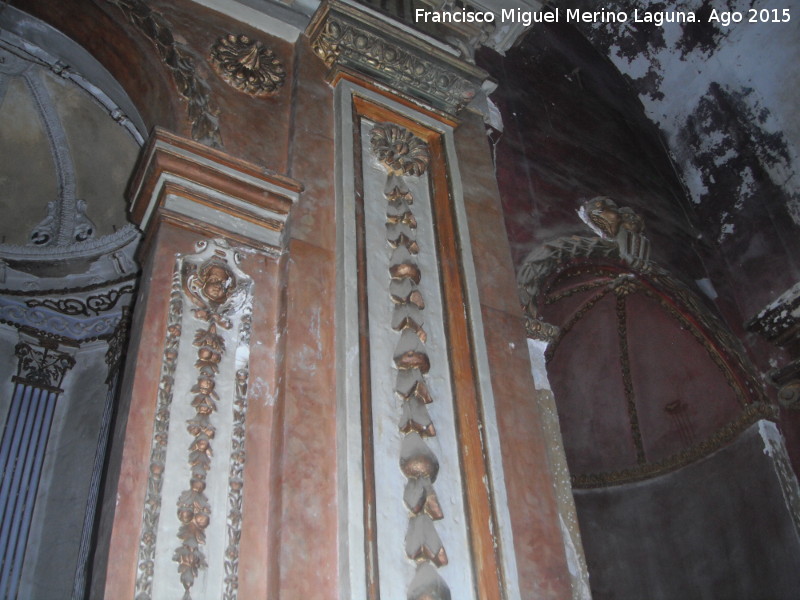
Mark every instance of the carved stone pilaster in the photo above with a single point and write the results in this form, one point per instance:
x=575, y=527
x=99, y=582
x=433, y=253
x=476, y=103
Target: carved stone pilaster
x=403, y=154
x=362, y=41
x=197, y=448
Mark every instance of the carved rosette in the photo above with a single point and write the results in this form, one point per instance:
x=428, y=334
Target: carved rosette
x=220, y=292
x=247, y=65
x=403, y=154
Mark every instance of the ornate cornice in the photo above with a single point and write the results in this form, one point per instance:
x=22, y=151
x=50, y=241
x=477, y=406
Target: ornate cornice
x=779, y=323
x=208, y=191
x=356, y=39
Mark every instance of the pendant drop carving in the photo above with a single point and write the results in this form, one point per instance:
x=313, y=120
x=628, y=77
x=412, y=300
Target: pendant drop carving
x=403, y=155
x=219, y=294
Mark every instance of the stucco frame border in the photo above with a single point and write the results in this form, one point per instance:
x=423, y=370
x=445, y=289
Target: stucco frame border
x=352, y=561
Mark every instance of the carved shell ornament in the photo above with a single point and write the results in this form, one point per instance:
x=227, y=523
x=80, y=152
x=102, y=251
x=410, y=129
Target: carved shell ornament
x=247, y=65
x=399, y=150
x=605, y=218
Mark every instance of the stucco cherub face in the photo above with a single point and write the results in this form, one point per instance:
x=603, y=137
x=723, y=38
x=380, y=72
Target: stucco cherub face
x=217, y=284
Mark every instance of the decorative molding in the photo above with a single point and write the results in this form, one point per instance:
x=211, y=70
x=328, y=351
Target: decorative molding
x=236, y=475
x=42, y=365
x=95, y=303
x=575, y=255
x=67, y=290
x=346, y=37
x=158, y=445
x=117, y=346
x=211, y=192
x=779, y=323
x=470, y=486
x=87, y=249
x=73, y=328
x=180, y=60
x=218, y=291
x=751, y=414
x=627, y=380
x=400, y=152
x=538, y=329
x=66, y=221
x=247, y=65
x=106, y=261
x=199, y=432
x=787, y=380
x=403, y=154
x=551, y=256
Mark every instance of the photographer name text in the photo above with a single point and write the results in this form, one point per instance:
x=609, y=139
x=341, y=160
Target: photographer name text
x=724, y=18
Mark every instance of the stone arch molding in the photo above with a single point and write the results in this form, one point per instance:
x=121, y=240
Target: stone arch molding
x=36, y=59
x=622, y=251
x=68, y=277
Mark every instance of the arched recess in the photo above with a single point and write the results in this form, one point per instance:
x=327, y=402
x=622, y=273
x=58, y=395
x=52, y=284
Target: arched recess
x=676, y=469
x=646, y=378
x=69, y=137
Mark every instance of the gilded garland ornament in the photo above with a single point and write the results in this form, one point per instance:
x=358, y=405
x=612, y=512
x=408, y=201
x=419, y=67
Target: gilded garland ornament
x=403, y=154
x=247, y=65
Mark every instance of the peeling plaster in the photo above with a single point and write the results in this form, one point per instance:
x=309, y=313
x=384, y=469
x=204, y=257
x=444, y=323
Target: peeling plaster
x=722, y=96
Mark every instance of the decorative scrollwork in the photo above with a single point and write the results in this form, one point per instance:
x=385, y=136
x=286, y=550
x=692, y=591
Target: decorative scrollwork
x=179, y=59
x=96, y=303
x=247, y=65
x=158, y=446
